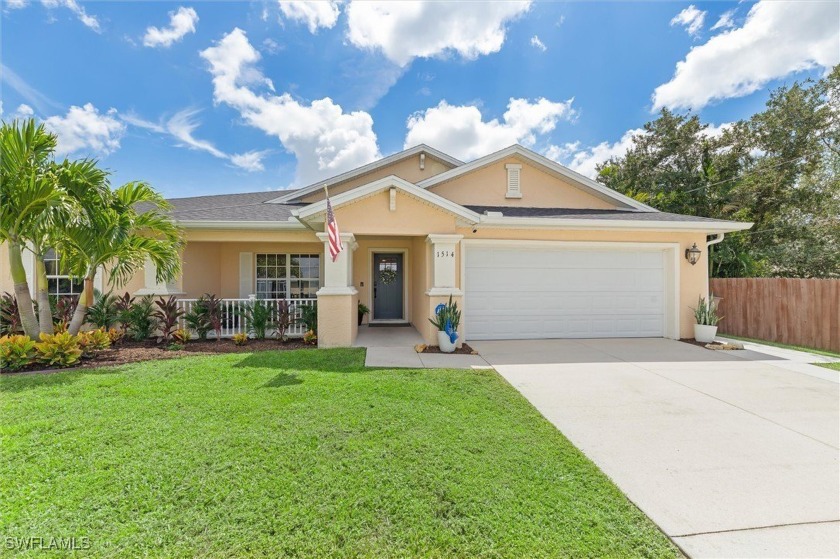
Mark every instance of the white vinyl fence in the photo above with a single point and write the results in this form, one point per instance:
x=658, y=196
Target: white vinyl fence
x=233, y=315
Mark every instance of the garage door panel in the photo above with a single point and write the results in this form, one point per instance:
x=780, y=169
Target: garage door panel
x=562, y=293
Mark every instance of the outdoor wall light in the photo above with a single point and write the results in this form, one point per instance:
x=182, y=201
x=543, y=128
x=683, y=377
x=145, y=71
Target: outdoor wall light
x=692, y=254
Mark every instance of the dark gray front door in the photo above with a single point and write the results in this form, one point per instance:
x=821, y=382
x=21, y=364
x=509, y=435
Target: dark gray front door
x=387, y=286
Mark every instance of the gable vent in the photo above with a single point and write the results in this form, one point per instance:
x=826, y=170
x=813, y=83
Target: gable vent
x=514, y=187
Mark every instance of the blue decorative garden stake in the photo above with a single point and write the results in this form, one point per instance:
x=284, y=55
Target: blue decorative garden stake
x=439, y=308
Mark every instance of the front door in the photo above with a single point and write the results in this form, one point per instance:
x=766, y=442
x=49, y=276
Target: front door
x=388, y=286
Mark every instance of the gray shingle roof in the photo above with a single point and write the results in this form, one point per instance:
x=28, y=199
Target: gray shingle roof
x=575, y=213
x=249, y=206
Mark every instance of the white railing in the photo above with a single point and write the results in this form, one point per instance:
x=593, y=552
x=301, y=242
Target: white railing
x=234, y=321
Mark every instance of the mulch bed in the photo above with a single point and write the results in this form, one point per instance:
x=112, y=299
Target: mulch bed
x=704, y=345
x=135, y=352
x=463, y=350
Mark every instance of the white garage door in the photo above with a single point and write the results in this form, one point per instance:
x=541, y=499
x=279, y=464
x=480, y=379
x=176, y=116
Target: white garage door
x=522, y=293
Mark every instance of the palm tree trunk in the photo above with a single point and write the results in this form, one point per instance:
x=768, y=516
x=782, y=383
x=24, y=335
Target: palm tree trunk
x=24, y=299
x=45, y=318
x=81, y=307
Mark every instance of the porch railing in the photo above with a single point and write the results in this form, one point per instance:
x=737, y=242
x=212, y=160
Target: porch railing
x=233, y=315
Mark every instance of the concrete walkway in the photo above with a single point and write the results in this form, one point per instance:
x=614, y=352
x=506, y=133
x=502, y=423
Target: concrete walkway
x=732, y=454
x=393, y=347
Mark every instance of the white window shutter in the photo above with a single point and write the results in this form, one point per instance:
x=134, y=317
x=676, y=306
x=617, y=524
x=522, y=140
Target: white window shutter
x=514, y=186
x=246, y=274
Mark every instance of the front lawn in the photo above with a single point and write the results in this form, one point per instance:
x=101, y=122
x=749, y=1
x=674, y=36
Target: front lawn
x=300, y=453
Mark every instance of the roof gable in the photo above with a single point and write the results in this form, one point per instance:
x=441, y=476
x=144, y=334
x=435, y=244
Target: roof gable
x=447, y=162
x=565, y=174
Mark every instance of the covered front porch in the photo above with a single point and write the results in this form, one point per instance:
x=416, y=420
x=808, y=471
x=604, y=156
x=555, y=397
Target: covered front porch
x=400, y=279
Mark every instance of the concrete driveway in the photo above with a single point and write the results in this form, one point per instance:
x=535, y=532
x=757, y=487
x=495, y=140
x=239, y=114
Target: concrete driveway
x=732, y=456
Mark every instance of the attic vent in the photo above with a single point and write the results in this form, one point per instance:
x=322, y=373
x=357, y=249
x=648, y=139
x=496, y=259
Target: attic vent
x=514, y=189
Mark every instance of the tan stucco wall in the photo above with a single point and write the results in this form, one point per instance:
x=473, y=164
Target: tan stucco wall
x=337, y=321
x=487, y=187
x=202, y=266
x=420, y=275
x=6, y=283
x=407, y=169
x=372, y=216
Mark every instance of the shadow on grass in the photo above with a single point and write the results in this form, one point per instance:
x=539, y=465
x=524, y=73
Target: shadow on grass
x=281, y=380
x=344, y=360
x=19, y=382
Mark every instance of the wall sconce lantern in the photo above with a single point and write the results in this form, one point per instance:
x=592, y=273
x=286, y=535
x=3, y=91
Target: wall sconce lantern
x=692, y=254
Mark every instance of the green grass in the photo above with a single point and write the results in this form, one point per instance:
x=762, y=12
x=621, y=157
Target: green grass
x=832, y=366
x=301, y=453
x=785, y=346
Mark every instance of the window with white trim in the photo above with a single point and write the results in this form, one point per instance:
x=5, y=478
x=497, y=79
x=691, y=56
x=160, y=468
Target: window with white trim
x=287, y=276
x=59, y=283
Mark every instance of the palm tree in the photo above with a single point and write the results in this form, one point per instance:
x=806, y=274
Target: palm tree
x=128, y=226
x=32, y=201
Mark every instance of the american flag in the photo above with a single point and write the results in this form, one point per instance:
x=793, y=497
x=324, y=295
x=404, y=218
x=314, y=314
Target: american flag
x=333, y=232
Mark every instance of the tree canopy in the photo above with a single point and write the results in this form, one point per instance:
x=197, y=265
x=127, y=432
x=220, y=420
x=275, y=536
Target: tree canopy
x=778, y=169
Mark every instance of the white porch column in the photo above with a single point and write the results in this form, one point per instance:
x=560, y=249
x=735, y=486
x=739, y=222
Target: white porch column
x=443, y=264
x=337, y=303
x=338, y=275
x=153, y=287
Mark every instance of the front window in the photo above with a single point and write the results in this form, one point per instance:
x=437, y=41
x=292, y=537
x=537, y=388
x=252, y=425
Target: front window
x=59, y=283
x=292, y=276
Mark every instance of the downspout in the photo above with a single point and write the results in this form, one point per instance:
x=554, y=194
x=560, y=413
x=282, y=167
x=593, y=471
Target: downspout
x=718, y=237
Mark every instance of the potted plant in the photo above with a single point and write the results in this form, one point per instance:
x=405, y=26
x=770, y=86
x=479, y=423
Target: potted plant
x=363, y=310
x=705, y=314
x=446, y=320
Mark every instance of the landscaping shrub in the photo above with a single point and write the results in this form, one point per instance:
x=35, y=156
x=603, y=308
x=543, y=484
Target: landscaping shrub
x=309, y=317
x=16, y=352
x=93, y=341
x=283, y=319
x=198, y=320
x=62, y=310
x=258, y=318
x=214, y=314
x=167, y=315
x=310, y=337
x=181, y=336
x=122, y=305
x=115, y=335
x=103, y=313
x=139, y=320
x=9, y=315
x=240, y=339
x=59, y=349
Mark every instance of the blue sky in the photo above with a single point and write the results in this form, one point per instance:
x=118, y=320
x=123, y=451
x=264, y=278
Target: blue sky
x=204, y=98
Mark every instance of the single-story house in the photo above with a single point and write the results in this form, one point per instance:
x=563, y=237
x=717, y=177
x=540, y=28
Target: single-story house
x=528, y=248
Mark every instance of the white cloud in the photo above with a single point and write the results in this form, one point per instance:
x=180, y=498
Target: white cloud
x=180, y=23
x=777, y=38
x=271, y=46
x=88, y=20
x=461, y=132
x=536, y=43
x=23, y=112
x=325, y=140
x=584, y=161
x=181, y=126
x=250, y=161
x=691, y=18
x=411, y=29
x=726, y=21
x=16, y=4
x=84, y=130
x=315, y=14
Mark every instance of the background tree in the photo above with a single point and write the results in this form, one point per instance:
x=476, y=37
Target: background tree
x=777, y=169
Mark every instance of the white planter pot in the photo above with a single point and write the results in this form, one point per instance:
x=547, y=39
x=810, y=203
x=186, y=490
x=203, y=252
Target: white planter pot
x=445, y=345
x=704, y=333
